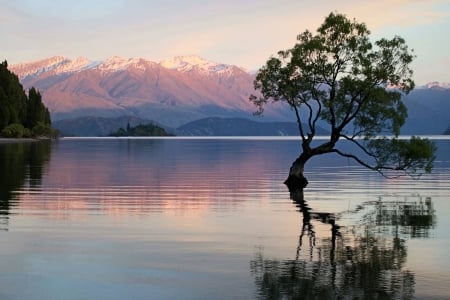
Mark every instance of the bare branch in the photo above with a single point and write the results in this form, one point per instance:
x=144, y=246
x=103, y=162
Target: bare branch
x=359, y=145
x=315, y=96
x=310, y=116
x=299, y=121
x=355, y=158
x=368, y=166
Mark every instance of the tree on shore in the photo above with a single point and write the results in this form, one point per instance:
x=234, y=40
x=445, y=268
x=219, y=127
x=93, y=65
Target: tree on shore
x=338, y=77
x=13, y=100
x=21, y=115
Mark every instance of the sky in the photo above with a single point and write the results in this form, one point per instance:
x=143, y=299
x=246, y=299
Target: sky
x=239, y=32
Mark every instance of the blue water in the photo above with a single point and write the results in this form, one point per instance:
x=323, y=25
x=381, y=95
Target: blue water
x=182, y=218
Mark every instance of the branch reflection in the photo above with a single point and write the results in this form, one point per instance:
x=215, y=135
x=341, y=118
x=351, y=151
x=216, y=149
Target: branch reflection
x=361, y=260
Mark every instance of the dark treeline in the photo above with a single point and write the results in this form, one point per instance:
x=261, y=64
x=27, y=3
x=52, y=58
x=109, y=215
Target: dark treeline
x=21, y=115
x=141, y=130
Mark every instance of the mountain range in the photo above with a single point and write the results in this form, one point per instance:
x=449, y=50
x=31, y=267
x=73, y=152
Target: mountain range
x=184, y=94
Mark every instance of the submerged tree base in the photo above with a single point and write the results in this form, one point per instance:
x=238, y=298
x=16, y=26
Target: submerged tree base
x=296, y=182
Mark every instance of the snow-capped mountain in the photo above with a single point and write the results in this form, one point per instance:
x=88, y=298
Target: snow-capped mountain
x=193, y=62
x=58, y=65
x=172, y=92
x=435, y=85
x=54, y=65
x=177, y=91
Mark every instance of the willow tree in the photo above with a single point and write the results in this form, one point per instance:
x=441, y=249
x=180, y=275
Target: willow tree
x=339, y=79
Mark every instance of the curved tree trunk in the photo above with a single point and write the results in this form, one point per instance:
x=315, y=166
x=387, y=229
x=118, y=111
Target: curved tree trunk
x=296, y=181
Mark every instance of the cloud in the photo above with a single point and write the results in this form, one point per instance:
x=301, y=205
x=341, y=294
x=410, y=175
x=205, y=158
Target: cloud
x=239, y=32
x=400, y=13
x=69, y=10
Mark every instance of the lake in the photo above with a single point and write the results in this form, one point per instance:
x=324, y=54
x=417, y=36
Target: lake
x=210, y=218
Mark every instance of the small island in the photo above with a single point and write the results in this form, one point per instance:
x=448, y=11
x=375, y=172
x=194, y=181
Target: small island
x=141, y=130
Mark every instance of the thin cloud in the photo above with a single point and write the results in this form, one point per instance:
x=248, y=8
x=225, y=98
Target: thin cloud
x=245, y=33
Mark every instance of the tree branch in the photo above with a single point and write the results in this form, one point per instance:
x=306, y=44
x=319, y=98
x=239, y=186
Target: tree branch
x=378, y=169
x=299, y=120
x=358, y=145
x=310, y=123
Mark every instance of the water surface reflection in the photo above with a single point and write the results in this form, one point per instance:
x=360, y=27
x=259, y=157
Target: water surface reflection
x=21, y=163
x=122, y=177
x=181, y=218
x=363, y=260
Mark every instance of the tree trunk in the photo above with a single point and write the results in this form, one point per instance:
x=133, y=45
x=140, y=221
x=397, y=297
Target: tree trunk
x=296, y=181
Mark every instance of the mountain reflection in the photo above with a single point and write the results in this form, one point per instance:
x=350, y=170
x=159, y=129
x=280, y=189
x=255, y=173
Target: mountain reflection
x=122, y=176
x=361, y=260
x=21, y=163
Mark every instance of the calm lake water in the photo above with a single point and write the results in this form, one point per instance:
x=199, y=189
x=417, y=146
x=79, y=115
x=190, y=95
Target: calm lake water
x=210, y=219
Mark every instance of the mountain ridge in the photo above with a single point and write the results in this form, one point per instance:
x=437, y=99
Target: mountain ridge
x=62, y=64
x=183, y=89
x=183, y=63
x=216, y=126
x=213, y=126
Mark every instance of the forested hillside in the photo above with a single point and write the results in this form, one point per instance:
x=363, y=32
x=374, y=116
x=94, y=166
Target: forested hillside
x=21, y=115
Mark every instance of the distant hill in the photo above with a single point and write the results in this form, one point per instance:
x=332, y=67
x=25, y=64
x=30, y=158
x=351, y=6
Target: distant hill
x=428, y=110
x=97, y=126
x=239, y=127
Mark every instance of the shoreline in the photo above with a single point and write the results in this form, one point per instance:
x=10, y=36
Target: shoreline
x=16, y=140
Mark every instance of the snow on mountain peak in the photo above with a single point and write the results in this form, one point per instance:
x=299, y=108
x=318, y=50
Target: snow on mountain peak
x=64, y=65
x=37, y=67
x=117, y=63
x=70, y=66
x=435, y=85
x=190, y=62
x=56, y=64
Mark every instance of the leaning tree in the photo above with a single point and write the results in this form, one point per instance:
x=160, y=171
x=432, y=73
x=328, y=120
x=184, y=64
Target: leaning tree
x=339, y=79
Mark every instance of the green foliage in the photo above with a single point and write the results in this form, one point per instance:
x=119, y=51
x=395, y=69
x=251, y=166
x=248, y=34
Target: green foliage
x=338, y=77
x=12, y=98
x=42, y=129
x=15, y=131
x=36, y=111
x=141, y=130
x=411, y=155
x=16, y=108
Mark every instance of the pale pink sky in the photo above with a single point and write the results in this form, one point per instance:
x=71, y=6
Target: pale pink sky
x=245, y=32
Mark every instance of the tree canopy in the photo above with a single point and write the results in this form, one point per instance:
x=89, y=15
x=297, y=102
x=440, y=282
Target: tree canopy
x=339, y=79
x=21, y=114
x=141, y=130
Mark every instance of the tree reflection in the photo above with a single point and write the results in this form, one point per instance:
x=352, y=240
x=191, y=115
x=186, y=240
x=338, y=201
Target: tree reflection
x=20, y=163
x=362, y=260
